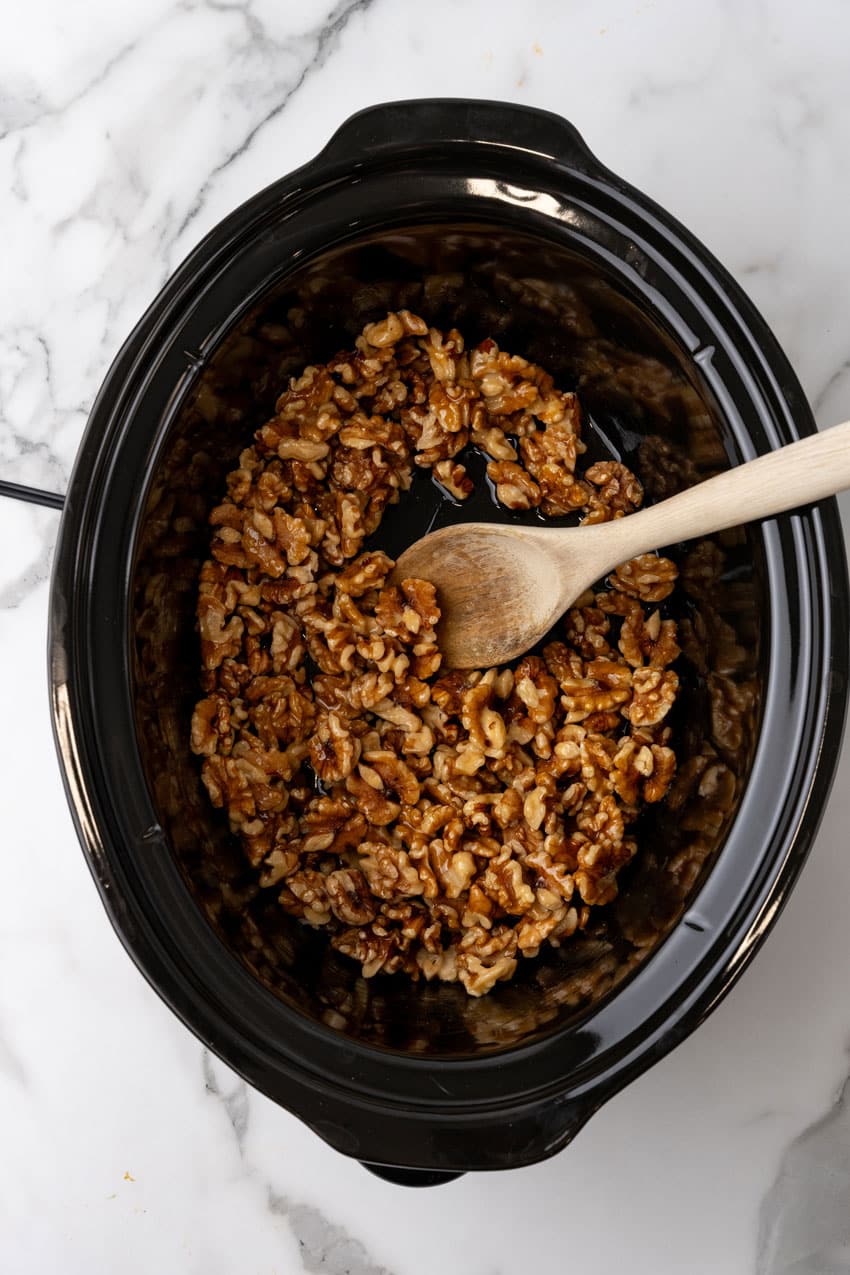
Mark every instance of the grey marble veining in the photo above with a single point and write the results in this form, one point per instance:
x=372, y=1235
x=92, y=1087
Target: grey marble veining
x=326, y=1249
x=805, y=1218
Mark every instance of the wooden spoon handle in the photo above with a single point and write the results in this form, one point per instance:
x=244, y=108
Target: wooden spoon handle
x=793, y=475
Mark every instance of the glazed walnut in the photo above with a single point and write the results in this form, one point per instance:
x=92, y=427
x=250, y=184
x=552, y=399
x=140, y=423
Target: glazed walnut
x=617, y=492
x=647, y=577
x=515, y=489
x=648, y=639
x=436, y=822
x=333, y=749
x=653, y=693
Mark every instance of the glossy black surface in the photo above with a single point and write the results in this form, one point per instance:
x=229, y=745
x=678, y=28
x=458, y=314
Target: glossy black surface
x=496, y=218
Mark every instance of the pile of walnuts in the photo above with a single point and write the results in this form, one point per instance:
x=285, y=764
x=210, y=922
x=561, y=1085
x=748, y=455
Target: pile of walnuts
x=438, y=822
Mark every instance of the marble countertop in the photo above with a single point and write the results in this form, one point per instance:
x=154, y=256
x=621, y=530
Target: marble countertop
x=126, y=131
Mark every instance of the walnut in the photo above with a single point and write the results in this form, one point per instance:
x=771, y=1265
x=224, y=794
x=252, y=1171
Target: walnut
x=599, y=723
x=262, y=553
x=503, y=882
x=732, y=706
x=484, y=725
x=605, y=685
x=566, y=759
x=410, y=612
x=550, y=458
x=219, y=641
x=605, y=851
x=291, y=535
x=418, y=737
x=642, y=771
x=556, y=408
x=387, y=332
x=305, y=895
x=287, y=645
x=508, y=807
x=389, y=871
x=421, y=598
x=354, y=473
x=413, y=325
x=533, y=930
x=534, y=807
x=413, y=693
x=212, y=729
x=449, y=689
x=493, y=442
x=503, y=387
x=551, y=876
x=663, y=768
x=331, y=824
x=536, y=688
x=616, y=603
x=653, y=693
x=375, y=952
x=371, y=803
x=514, y=488
x=333, y=749
x=366, y=433
x=368, y=690
x=647, y=577
x=350, y=520
x=562, y=662
x=394, y=774
x=619, y=492
x=485, y=957
x=597, y=760
x=442, y=351
x=246, y=785
x=368, y=571
x=454, y=478
x=716, y=796
x=651, y=641
x=452, y=406
x=349, y=896
x=586, y=629
x=279, y=863
x=451, y=869
x=441, y=964
x=226, y=548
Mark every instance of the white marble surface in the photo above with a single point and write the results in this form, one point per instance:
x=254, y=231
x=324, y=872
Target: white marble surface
x=126, y=131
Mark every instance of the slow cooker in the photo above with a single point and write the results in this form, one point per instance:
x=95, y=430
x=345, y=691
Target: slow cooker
x=498, y=219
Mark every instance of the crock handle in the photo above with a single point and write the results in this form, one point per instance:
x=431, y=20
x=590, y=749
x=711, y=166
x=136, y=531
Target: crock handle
x=453, y=1148
x=444, y=122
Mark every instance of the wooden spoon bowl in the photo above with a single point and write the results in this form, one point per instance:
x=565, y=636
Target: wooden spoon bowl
x=501, y=588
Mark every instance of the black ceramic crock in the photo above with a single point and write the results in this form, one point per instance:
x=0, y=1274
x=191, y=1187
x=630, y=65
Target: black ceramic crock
x=498, y=218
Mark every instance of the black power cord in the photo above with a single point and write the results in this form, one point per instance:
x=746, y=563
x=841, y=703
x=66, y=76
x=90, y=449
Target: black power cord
x=32, y=495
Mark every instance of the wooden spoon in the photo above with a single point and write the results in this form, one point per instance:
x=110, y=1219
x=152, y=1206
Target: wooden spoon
x=501, y=588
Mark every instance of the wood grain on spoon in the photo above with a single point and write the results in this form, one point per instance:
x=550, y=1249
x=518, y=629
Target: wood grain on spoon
x=501, y=588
